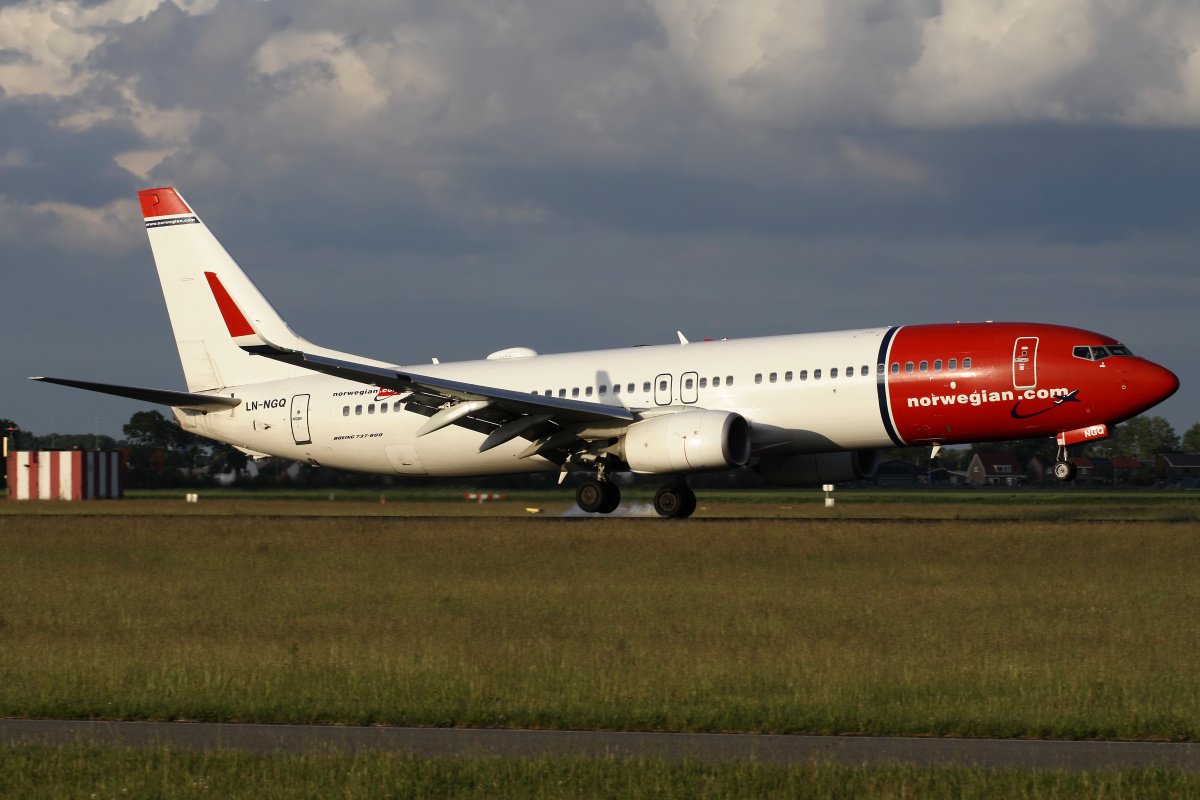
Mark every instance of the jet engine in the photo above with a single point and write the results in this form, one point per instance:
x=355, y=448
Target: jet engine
x=813, y=469
x=687, y=441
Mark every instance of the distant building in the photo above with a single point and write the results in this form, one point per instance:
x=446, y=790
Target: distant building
x=65, y=474
x=896, y=472
x=1040, y=468
x=995, y=469
x=1180, y=468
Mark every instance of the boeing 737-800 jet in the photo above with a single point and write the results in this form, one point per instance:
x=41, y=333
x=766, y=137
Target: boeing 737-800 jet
x=801, y=410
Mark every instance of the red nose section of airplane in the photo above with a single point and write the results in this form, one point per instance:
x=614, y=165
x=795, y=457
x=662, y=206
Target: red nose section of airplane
x=1151, y=384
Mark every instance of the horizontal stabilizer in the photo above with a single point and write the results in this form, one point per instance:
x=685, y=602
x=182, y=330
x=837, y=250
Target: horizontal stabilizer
x=198, y=402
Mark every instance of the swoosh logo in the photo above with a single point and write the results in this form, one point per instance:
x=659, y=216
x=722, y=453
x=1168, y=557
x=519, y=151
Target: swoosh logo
x=1057, y=402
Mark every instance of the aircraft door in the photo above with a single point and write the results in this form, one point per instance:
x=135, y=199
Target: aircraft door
x=300, y=419
x=1025, y=362
x=688, y=392
x=662, y=389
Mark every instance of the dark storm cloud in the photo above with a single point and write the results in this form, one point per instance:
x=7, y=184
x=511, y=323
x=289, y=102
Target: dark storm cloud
x=421, y=178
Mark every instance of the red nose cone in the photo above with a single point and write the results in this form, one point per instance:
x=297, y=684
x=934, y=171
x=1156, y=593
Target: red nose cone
x=1154, y=384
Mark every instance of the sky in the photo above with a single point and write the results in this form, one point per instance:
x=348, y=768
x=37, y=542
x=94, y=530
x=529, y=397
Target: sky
x=444, y=178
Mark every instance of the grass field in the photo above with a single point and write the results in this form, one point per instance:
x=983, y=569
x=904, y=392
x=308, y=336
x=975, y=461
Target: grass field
x=952, y=628
x=32, y=773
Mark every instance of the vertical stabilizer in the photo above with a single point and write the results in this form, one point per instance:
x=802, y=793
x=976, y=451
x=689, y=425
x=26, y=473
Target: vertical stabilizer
x=197, y=276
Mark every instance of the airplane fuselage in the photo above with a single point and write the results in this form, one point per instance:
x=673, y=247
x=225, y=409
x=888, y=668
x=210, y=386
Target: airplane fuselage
x=807, y=393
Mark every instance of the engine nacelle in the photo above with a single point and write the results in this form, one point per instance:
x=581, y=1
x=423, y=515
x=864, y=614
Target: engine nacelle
x=814, y=469
x=687, y=441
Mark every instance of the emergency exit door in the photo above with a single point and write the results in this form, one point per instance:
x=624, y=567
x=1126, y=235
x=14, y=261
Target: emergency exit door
x=300, y=419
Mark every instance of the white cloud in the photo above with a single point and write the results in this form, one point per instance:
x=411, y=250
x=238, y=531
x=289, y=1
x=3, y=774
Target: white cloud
x=112, y=229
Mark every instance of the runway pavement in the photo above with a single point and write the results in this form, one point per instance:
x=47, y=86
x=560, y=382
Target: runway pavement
x=462, y=742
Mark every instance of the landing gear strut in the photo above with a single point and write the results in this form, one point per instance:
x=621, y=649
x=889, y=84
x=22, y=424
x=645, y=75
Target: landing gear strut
x=675, y=500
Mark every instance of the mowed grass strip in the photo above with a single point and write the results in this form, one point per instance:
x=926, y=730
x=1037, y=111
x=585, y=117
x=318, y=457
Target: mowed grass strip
x=1038, y=629
x=30, y=773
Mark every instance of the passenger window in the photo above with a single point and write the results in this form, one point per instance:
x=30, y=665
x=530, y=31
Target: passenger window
x=924, y=366
x=937, y=365
x=588, y=391
x=662, y=386
x=688, y=383
x=879, y=369
x=865, y=371
x=383, y=408
x=895, y=367
x=717, y=381
x=616, y=388
x=562, y=392
x=832, y=373
x=704, y=383
x=773, y=377
x=953, y=363
x=575, y=392
x=849, y=372
x=816, y=374
x=358, y=410
x=345, y=411
x=646, y=386
x=603, y=390
x=803, y=374
x=396, y=405
x=629, y=388
x=549, y=393
x=908, y=366
x=787, y=376
x=371, y=408
x=966, y=363
x=729, y=380
x=758, y=378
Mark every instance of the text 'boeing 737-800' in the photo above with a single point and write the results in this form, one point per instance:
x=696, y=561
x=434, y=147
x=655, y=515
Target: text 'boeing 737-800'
x=800, y=409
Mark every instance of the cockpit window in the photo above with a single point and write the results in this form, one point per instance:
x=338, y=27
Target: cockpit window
x=1100, y=353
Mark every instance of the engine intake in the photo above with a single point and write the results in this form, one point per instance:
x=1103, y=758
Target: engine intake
x=687, y=441
x=813, y=469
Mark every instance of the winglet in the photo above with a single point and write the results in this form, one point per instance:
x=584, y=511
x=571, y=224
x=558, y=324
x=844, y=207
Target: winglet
x=240, y=329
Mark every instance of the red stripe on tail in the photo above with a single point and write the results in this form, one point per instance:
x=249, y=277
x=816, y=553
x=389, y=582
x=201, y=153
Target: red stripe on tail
x=235, y=321
x=162, y=203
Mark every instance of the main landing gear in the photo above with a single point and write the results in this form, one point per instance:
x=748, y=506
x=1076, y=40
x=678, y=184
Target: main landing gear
x=598, y=497
x=675, y=500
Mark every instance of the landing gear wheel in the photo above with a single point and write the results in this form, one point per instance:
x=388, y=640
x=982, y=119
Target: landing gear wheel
x=1064, y=471
x=675, y=501
x=590, y=496
x=689, y=504
x=612, y=497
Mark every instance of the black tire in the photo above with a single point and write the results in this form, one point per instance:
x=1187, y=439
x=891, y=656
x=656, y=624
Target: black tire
x=612, y=498
x=689, y=504
x=1064, y=471
x=668, y=501
x=590, y=496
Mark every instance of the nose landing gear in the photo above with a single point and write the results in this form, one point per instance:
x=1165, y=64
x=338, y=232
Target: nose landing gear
x=1064, y=470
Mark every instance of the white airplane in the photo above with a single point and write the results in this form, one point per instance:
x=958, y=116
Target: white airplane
x=802, y=409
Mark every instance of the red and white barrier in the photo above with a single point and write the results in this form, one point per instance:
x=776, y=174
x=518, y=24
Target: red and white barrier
x=65, y=475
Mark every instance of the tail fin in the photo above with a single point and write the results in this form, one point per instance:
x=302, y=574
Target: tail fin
x=200, y=281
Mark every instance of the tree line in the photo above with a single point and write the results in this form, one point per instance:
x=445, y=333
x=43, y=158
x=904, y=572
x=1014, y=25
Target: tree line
x=163, y=455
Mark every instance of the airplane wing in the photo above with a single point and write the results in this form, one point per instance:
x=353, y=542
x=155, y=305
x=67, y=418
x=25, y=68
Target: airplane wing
x=552, y=423
x=197, y=402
